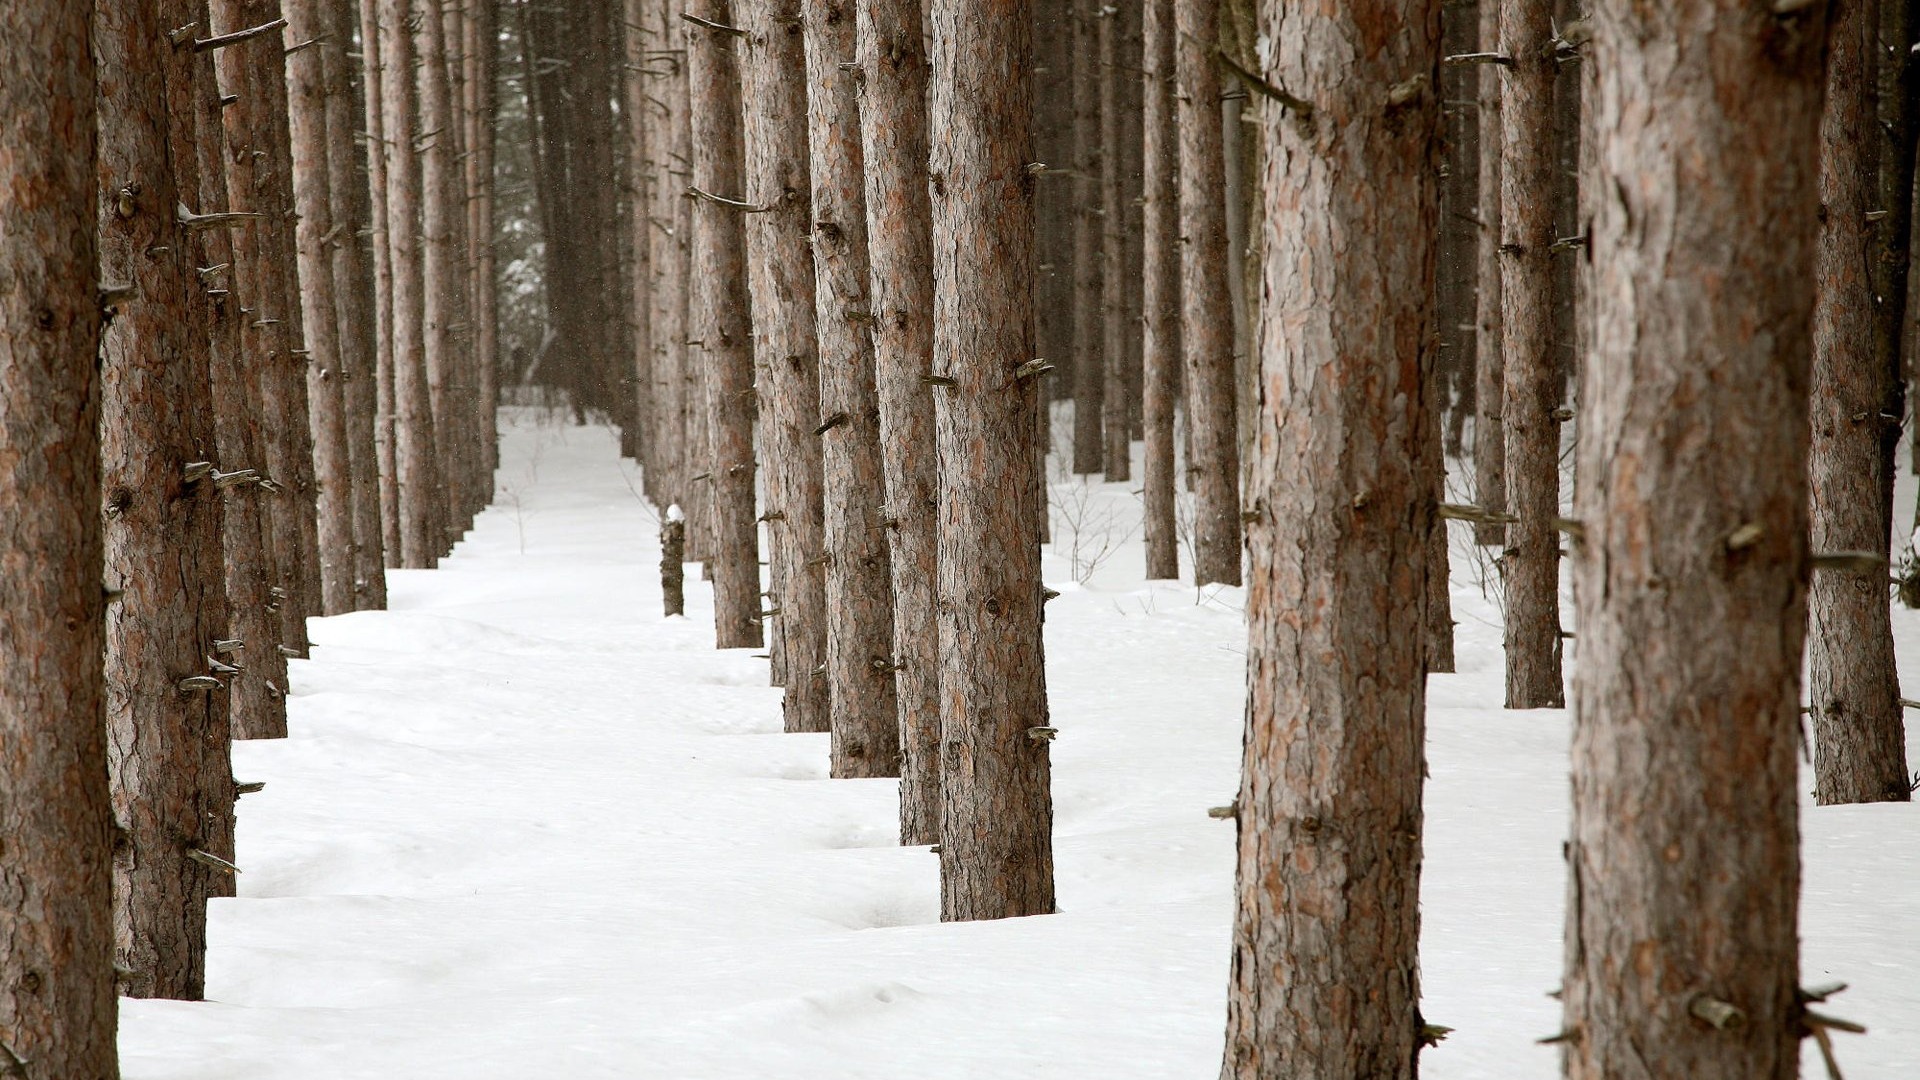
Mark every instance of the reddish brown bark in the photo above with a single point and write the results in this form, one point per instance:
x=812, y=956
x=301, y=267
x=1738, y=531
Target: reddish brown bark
x=786, y=362
x=57, y=1007
x=866, y=727
x=996, y=844
x=1532, y=392
x=893, y=124
x=442, y=206
x=1213, y=460
x=1161, y=303
x=1325, y=979
x=1690, y=572
x=1853, y=689
x=718, y=321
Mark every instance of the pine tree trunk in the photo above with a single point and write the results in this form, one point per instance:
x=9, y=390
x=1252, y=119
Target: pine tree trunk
x=719, y=322
x=1055, y=205
x=1161, y=351
x=1325, y=971
x=57, y=1007
x=162, y=529
x=786, y=362
x=353, y=277
x=483, y=35
x=422, y=500
x=1489, y=434
x=1132, y=62
x=315, y=233
x=1213, y=462
x=640, y=122
x=256, y=698
x=893, y=127
x=996, y=843
x=259, y=181
x=1690, y=569
x=666, y=255
x=1089, y=163
x=1532, y=391
x=442, y=204
x=1114, y=410
x=372, y=50
x=1852, y=688
x=864, y=707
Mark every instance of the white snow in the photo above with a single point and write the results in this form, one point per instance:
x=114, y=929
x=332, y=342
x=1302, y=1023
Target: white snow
x=525, y=827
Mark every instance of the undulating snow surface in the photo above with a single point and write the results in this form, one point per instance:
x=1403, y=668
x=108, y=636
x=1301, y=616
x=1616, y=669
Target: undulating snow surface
x=527, y=828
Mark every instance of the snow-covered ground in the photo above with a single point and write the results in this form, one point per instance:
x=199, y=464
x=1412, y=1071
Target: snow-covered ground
x=527, y=828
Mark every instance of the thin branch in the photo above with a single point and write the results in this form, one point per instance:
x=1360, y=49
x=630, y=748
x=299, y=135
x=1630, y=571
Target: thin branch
x=732, y=204
x=711, y=25
x=238, y=36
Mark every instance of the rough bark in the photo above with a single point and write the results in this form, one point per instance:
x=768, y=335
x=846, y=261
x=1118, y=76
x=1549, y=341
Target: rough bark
x=1115, y=411
x=1683, y=861
x=353, y=276
x=1490, y=379
x=162, y=529
x=442, y=195
x=1325, y=978
x=638, y=222
x=893, y=128
x=786, y=362
x=1532, y=391
x=1213, y=460
x=719, y=322
x=57, y=1007
x=1161, y=243
x=483, y=36
x=373, y=79
x=1089, y=163
x=258, y=182
x=673, y=554
x=667, y=253
x=422, y=503
x=257, y=697
x=996, y=844
x=865, y=721
x=1853, y=690
x=314, y=234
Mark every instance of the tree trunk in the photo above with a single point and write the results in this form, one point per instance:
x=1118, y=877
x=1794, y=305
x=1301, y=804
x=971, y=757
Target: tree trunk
x=638, y=222
x=893, y=127
x=373, y=78
x=1489, y=434
x=162, y=527
x=57, y=1007
x=442, y=191
x=1161, y=351
x=996, y=842
x=483, y=34
x=1691, y=565
x=353, y=277
x=1114, y=409
x=866, y=723
x=1532, y=392
x=1853, y=690
x=780, y=274
x=719, y=322
x=422, y=500
x=1325, y=970
x=1089, y=164
x=315, y=233
x=1213, y=462
x=666, y=256
x=257, y=706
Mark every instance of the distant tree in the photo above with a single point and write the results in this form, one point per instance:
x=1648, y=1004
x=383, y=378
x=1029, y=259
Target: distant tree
x=720, y=321
x=1161, y=303
x=1490, y=379
x=1681, y=944
x=996, y=843
x=1206, y=325
x=1853, y=689
x=866, y=724
x=893, y=128
x=1343, y=503
x=307, y=89
x=780, y=268
x=1089, y=171
x=1532, y=393
x=57, y=1007
x=1115, y=408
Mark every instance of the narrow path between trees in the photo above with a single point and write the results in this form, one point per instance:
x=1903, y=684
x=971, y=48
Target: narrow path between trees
x=525, y=827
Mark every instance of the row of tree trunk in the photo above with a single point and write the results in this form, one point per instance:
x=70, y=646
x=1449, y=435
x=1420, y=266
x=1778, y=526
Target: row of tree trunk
x=233, y=397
